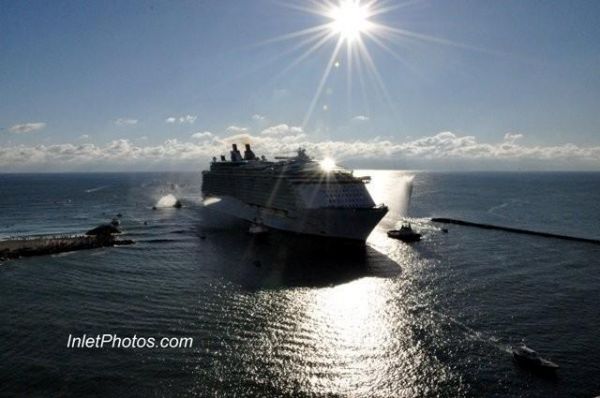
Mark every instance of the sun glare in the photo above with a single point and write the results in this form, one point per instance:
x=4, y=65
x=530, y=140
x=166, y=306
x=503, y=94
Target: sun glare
x=327, y=164
x=354, y=26
x=350, y=19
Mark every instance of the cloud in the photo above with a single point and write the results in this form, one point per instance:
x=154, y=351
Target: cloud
x=188, y=119
x=284, y=139
x=360, y=118
x=258, y=117
x=84, y=137
x=125, y=121
x=236, y=130
x=282, y=129
x=26, y=127
x=202, y=135
x=512, y=137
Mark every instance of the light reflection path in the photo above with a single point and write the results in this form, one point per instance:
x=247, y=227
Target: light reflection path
x=370, y=333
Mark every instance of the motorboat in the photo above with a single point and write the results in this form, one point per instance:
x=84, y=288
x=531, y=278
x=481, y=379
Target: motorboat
x=405, y=234
x=528, y=357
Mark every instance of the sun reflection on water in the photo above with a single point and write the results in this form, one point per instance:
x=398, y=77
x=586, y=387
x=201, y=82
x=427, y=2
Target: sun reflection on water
x=348, y=324
x=351, y=312
x=324, y=331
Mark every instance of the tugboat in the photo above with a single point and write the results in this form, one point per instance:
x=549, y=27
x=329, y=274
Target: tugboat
x=527, y=357
x=405, y=234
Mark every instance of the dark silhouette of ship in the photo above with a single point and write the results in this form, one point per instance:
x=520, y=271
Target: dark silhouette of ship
x=296, y=194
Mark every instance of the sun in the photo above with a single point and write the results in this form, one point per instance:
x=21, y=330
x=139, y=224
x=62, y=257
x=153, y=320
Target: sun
x=354, y=26
x=349, y=19
x=327, y=164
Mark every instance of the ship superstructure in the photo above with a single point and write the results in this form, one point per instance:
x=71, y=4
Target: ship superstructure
x=293, y=193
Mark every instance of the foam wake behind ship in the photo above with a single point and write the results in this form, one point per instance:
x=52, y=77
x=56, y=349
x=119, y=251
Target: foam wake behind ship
x=295, y=194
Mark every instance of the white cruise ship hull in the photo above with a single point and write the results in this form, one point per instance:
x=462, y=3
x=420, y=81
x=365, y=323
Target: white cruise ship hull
x=345, y=223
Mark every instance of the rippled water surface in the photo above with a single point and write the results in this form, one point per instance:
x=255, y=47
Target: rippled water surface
x=288, y=315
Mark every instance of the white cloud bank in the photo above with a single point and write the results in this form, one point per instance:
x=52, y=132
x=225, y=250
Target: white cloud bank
x=26, y=127
x=284, y=139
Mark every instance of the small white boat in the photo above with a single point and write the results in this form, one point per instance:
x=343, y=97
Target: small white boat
x=527, y=357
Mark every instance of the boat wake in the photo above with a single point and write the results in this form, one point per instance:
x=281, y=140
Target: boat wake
x=475, y=335
x=96, y=189
x=166, y=201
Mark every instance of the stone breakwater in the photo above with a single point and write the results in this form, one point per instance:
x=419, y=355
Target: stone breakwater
x=53, y=244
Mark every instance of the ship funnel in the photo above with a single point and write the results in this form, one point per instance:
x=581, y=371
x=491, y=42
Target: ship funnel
x=248, y=154
x=236, y=156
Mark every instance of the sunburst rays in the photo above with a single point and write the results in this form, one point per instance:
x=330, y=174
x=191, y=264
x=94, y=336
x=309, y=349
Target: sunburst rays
x=355, y=25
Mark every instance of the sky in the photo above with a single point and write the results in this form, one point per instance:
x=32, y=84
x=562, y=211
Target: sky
x=441, y=85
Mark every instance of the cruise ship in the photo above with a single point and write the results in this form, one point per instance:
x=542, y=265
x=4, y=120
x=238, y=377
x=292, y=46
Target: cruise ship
x=296, y=194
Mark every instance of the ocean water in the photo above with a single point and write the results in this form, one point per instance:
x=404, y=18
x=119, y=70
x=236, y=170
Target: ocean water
x=289, y=315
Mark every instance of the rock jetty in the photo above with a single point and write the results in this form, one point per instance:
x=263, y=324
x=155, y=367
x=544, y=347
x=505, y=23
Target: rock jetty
x=101, y=236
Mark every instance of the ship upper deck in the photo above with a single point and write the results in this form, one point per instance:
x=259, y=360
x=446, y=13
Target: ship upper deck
x=296, y=171
x=308, y=172
x=289, y=183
